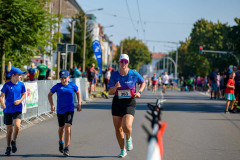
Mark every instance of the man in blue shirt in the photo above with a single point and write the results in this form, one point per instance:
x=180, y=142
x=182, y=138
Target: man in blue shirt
x=77, y=72
x=65, y=108
x=14, y=92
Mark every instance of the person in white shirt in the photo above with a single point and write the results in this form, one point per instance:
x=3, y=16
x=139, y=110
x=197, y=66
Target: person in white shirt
x=165, y=80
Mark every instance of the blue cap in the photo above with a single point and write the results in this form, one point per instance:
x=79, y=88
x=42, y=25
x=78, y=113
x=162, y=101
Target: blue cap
x=16, y=71
x=63, y=73
x=230, y=71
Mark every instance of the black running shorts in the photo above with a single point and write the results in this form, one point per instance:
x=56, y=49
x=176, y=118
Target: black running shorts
x=65, y=118
x=9, y=117
x=121, y=107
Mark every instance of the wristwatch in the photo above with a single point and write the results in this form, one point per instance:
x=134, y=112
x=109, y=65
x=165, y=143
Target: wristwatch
x=140, y=92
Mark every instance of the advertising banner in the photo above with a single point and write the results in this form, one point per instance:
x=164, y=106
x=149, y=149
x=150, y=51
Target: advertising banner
x=31, y=95
x=98, y=53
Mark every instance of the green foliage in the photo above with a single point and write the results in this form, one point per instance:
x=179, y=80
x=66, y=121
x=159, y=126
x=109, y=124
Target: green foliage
x=78, y=39
x=136, y=50
x=235, y=37
x=24, y=26
x=212, y=36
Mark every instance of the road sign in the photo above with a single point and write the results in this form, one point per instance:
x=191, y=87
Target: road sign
x=61, y=47
x=72, y=48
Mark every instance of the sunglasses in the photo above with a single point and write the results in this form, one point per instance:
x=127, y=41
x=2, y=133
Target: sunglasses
x=123, y=61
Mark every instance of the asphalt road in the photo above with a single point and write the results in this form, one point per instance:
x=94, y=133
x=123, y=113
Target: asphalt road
x=197, y=129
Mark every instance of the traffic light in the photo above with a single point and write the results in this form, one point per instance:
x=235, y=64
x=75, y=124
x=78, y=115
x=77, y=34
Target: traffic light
x=201, y=49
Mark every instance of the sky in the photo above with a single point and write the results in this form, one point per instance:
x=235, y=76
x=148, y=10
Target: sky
x=158, y=20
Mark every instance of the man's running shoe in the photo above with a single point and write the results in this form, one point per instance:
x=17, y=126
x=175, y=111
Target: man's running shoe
x=66, y=152
x=8, y=151
x=129, y=144
x=14, y=147
x=123, y=153
x=61, y=147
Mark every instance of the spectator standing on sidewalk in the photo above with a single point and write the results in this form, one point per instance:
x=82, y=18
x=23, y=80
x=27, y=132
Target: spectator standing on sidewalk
x=32, y=72
x=65, y=108
x=218, y=85
x=42, y=71
x=8, y=68
x=14, y=92
x=237, y=88
x=229, y=93
x=213, y=78
x=77, y=72
x=48, y=73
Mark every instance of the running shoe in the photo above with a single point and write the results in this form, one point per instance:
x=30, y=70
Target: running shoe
x=129, y=144
x=61, y=147
x=123, y=153
x=226, y=112
x=234, y=110
x=14, y=147
x=8, y=151
x=66, y=152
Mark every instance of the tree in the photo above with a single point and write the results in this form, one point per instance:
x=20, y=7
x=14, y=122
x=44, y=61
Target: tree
x=78, y=39
x=212, y=36
x=24, y=30
x=234, y=36
x=136, y=50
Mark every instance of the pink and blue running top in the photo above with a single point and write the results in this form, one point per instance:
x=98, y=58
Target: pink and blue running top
x=154, y=80
x=127, y=82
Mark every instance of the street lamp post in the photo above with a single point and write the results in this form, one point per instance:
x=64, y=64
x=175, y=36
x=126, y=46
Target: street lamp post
x=84, y=37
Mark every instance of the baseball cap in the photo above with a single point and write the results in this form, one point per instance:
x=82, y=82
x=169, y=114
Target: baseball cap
x=109, y=68
x=63, y=73
x=16, y=71
x=124, y=56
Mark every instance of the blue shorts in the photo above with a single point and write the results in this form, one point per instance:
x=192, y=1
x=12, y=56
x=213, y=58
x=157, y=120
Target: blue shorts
x=93, y=82
x=214, y=86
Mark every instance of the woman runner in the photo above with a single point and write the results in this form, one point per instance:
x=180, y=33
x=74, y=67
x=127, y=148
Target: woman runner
x=122, y=84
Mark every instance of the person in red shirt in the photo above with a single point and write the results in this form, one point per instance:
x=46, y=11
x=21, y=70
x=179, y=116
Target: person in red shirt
x=229, y=92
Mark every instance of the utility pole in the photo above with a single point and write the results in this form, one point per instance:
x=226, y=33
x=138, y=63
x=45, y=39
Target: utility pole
x=59, y=39
x=164, y=63
x=167, y=64
x=176, y=61
x=84, y=41
x=121, y=48
x=72, y=42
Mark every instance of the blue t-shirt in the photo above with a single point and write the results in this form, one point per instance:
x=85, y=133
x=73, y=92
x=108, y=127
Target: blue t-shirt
x=213, y=74
x=12, y=93
x=76, y=73
x=8, y=73
x=126, y=82
x=31, y=72
x=65, y=95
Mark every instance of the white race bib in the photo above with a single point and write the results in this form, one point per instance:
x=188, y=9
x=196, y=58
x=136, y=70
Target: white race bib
x=124, y=94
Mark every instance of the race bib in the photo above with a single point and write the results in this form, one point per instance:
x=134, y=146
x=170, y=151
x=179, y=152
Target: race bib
x=124, y=94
